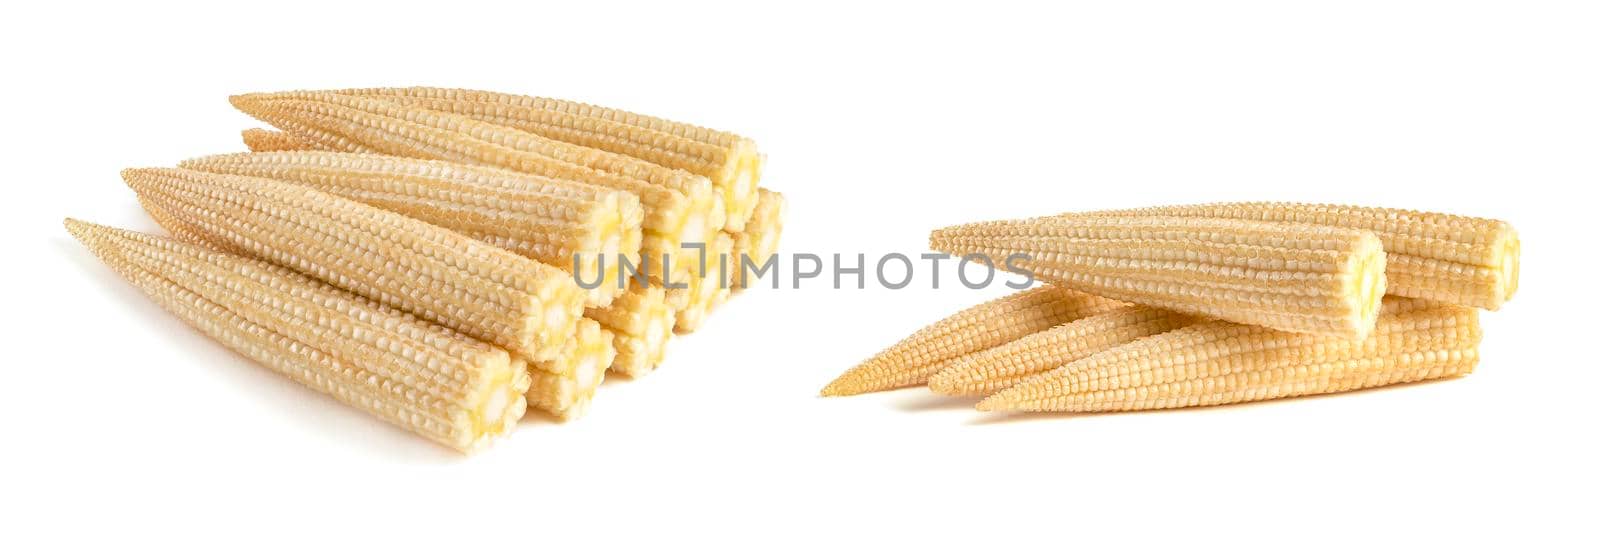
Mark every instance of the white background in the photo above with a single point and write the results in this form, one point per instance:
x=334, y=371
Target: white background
x=880, y=124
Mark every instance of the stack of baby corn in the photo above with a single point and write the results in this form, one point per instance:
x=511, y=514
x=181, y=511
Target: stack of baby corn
x=1208, y=304
x=445, y=258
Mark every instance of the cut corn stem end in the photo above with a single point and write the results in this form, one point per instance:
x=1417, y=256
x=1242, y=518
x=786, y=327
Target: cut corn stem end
x=705, y=292
x=641, y=322
x=567, y=394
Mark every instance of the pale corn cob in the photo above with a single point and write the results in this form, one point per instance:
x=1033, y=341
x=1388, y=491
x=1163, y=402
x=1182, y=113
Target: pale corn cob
x=1000, y=367
x=759, y=240
x=993, y=323
x=641, y=322
x=1447, y=258
x=1217, y=362
x=567, y=395
x=265, y=140
x=677, y=205
x=548, y=220
x=1293, y=277
x=492, y=294
x=704, y=292
x=435, y=382
x=731, y=162
x=184, y=231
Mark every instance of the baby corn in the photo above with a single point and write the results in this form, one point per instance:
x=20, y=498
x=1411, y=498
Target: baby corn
x=705, y=292
x=759, y=240
x=494, y=295
x=731, y=162
x=641, y=322
x=980, y=327
x=1000, y=367
x=677, y=205
x=1217, y=363
x=437, y=383
x=1292, y=277
x=1447, y=258
x=568, y=393
x=552, y=221
x=265, y=140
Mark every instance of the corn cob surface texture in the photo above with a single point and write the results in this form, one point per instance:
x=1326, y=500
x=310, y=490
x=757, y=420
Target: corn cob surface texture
x=641, y=322
x=987, y=325
x=427, y=379
x=1448, y=258
x=705, y=292
x=568, y=394
x=731, y=162
x=486, y=292
x=759, y=240
x=359, y=124
x=265, y=140
x=1216, y=363
x=997, y=368
x=579, y=228
x=1292, y=277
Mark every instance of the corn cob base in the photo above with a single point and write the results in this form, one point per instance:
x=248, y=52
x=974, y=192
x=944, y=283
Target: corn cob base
x=641, y=322
x=705, y=292
x=739, y=187
x=759, y=240
x=567, y=394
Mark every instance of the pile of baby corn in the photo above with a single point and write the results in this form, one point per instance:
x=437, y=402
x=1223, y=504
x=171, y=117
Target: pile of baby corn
x=445, y=259
x=1210, y=304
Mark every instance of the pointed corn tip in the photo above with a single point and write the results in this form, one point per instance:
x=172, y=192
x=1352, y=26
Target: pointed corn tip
x=137, y=178
x=242, y=100
x=75, y=227
x=993, y=403
x=844, y=385
x=1005, y=400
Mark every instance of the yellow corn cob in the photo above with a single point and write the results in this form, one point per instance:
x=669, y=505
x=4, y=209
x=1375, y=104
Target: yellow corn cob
x=913, y=360
x=265, y=140
x=705, y=292
x=730, y=161
x=1000, y=367
x=435, y=382
x=494, y=295
x=1216, y=363
x=1293, y=277
x=677, y=205
x=551, y=221
x=759, y=240
x=641, y=322
x=568, y=394
x=1447, y=258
